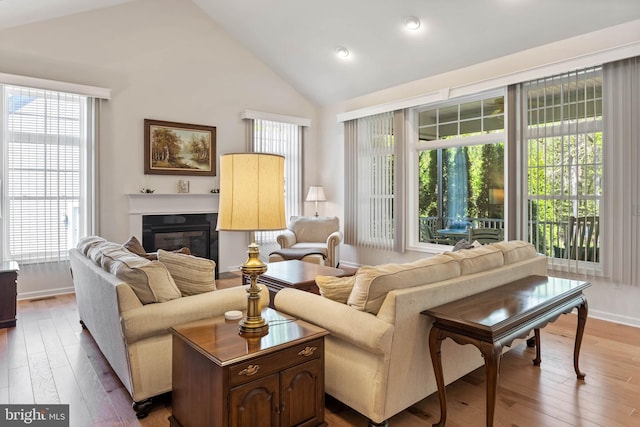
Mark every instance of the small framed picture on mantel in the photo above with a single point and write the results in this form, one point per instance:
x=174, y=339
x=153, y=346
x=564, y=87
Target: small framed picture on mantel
x=172, y=148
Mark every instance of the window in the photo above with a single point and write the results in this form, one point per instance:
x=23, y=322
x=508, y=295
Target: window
x=46, y=172
x=564, y=143
x=459, y=168
x=285, y=139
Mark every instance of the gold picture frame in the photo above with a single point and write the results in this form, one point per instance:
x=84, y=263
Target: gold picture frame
x=172, y=148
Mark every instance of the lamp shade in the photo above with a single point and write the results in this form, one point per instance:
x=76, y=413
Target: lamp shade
x=316, y=194
x=251, y=192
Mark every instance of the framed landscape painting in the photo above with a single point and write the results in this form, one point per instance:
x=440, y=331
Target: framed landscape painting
x=172, y=148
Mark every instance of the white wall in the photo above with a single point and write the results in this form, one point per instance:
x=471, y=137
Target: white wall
x=165, y=60
x=614, y=302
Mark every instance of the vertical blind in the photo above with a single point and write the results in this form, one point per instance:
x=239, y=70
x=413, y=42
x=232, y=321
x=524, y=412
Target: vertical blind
x=370, y=149
x=45, y=141
x=565, y=168
x=285, y=139
x=621, y=207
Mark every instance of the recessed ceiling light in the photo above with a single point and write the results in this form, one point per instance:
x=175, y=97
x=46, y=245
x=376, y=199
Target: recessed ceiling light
x=412, y=23
x=342, y=52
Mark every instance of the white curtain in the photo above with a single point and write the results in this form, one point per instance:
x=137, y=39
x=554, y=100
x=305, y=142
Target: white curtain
x=621, y=210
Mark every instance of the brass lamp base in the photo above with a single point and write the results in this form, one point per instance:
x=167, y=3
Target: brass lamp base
x=253, y=323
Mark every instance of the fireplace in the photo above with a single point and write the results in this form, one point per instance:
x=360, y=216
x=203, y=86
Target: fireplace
x=174, y=231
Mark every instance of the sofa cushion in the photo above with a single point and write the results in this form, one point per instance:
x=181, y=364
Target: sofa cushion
x=373, y=283
x=193, y=275
x=478, y=259
x=336, y=288
x=312, y=229
x=516, y=250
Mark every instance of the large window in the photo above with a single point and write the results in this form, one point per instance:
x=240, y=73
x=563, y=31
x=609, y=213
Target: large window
x=564, y=143
x=285, y=139
x=46, y=171
x=460, y=168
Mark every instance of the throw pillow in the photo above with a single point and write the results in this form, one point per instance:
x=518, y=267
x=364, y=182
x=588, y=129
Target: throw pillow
x=462, y=244
x=336, y=288
x=150, y=280
x=134, y=245
x=193, y=275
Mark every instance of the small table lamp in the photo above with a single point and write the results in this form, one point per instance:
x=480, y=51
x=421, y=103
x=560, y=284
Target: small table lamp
x=316, y=194
x=252, y=199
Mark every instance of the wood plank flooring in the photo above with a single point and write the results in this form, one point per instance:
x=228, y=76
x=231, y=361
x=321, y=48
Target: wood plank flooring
x=48, y=358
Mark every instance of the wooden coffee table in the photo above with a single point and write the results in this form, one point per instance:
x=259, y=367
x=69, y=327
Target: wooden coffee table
x=295, y=274
x=494, y=318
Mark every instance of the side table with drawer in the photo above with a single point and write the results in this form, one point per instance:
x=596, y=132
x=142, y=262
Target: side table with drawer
x=221, y=378
x=8, y=293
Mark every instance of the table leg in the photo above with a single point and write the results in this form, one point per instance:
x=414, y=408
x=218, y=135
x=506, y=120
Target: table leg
x=492, y=354
x=435, y=342
x=537, y=360
x=583, y=310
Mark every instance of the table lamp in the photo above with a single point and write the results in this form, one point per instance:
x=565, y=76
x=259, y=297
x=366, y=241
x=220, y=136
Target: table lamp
x=252, y=199
x=316, y=194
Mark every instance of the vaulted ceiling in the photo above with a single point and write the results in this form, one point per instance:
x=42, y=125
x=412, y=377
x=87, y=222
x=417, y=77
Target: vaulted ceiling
x=298, y=38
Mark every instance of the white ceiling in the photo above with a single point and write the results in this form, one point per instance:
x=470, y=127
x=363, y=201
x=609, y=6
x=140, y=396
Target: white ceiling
x=297, y=38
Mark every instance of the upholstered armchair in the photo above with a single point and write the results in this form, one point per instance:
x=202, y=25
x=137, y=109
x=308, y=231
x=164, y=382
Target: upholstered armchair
x=308, y=232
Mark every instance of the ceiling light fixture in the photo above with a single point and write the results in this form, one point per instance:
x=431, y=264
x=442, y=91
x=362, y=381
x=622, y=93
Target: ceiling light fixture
x=342, y=52
x=412, y=23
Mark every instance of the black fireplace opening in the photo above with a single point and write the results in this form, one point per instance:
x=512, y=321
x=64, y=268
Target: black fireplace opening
x=170, y=232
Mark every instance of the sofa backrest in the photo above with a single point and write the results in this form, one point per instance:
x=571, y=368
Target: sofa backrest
x=150, y=280
x=313, y=229
x=373, y=283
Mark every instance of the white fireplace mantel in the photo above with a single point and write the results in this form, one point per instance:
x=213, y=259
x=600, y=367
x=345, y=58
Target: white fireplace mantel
x=166, y=204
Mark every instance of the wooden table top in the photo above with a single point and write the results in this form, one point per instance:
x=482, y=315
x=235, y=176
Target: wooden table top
x=294, y=272
x=219, y=339
x=492, y=312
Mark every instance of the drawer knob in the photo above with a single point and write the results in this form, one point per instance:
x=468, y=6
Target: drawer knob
x=250, y=370
x=308, y=351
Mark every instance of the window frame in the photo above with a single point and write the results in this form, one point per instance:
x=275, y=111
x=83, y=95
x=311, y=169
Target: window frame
x=415, y=146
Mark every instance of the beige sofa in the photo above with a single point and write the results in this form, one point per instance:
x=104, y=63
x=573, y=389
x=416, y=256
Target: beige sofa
x=128, y=303
x=308, y=232
x=377, y=354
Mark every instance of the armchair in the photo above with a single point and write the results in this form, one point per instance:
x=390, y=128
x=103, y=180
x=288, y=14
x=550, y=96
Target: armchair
x=323, y=233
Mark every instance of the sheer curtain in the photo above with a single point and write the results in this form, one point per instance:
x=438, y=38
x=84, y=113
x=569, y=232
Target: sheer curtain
x=621, y=210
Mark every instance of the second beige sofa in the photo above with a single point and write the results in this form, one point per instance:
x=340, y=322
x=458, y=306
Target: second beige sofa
x=377, y=354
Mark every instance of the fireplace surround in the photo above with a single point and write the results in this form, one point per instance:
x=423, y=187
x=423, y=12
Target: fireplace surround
x=170, y=221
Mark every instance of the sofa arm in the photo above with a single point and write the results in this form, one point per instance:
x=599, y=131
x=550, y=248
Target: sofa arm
x=356, y=327
x=154, y=319
x=334, y=239
x=286, y=239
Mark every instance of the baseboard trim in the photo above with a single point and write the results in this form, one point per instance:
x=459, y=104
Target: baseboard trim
x=616, y=318
x=46, y=293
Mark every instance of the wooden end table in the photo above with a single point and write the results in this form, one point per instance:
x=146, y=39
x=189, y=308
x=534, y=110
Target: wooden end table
x=221, y=378
x=294, y=274
x=494, y=318
x=8, y=293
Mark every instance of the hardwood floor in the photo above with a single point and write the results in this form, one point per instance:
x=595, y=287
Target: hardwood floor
x=48, y=358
